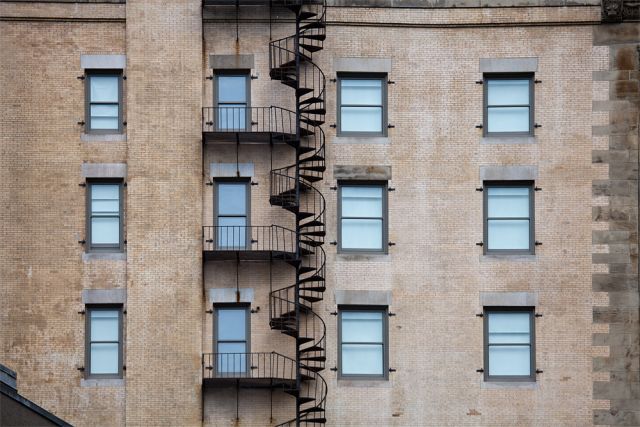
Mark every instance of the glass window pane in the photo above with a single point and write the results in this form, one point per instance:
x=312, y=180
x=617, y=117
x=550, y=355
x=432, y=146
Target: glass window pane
x=232, y=117
x=508, y=234
x=104, y=123
x=358, y=201
x=508, y=119
x=361, y=119
x=105, y=230
x=361, y=234
x=104, y=325
x=509, y=360
x=99, y=207
x=361, y=92
x=232, y=232
x=232, y=89
x=509, y=322
x=361, y=326
x=104, y=88
x=105, y=191
x=232, y=199
x=235, y=360
x=232, y=324
x=104, y=358
x=508, y=92
x=98, y=111
x=508, y=202
x=362, y=359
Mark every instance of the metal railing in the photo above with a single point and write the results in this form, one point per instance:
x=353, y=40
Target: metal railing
x=248, y=238
x=248, y=365
x=249, y=119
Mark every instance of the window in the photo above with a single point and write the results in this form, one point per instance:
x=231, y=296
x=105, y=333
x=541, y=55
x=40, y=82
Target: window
x=104, y=222
x=232, y=217
x=104, y=101
x=362, y=217
x=509, y=341
x=362, y=105
x=509, y=225
x=363, y=337
x=104, y=341
x=231, y=342
x=232, y=101
x=508, y=104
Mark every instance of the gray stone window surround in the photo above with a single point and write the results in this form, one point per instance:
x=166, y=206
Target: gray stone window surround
x=230, y=295
x=363, y=66
x=104, y=63
x=231, y=62
x=231, y=170
x=506, y=67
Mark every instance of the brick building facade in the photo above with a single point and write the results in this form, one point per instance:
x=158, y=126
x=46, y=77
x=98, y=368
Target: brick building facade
x=232, y=285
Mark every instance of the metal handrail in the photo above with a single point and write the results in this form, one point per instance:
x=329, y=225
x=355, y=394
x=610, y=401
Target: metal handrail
x=248, y=238
x=248, y=365
x=249, y=119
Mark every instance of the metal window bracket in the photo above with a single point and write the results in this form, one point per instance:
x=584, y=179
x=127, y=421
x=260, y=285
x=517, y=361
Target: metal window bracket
x=392, y=369
x=390, y=314
x=333, y=80
x=209, y=183
x=333, y=188
x=334, y=313
x=82, y=242
x=390, y=82
x=479, y=189
x=254, y=77
x=209, y=78
x=538, y=243
x=82, y=312
x=480, y=370
x=537, y=189
x=81, y=77
x=256, y=310
x=478, y=126
x=333, y=242
x=480, y=244
x=81, y=123
x=539, y=371
x=538, y=314
x=391, y=243
x=209, y=311
x=391, y=189
x=254, y=183
x=334, y=369
x=83, y=184
x=537, y=125
x=480, y=315
x=537, y=81
x=479, y=82
x=333, y=125
x=124, y=77
x=80, y=368
x=391, y=126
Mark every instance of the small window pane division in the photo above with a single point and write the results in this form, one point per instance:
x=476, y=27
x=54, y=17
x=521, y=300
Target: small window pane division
x=508, y=217
x=104, y=102
x=231, y=340
x=104, y=341
x=508, y=105
x=362, y=219
x=232, y=102
x=509, y=343
x=362, y=342
x=232, y=215
x=361, y=105
x=105, y=215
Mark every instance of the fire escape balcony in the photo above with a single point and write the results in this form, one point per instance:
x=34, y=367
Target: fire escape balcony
x=248, y=370
x=248, y=124
x=248, y=242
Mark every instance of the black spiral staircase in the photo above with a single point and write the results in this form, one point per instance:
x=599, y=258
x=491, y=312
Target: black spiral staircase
x=292, y=188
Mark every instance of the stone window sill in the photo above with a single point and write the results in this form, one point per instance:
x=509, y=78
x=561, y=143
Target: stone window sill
x=508, y=140
x=102, y=382
x=361, y=140
x=103, y=137
x=509, y=385
x=507, y=257
x=104, y=256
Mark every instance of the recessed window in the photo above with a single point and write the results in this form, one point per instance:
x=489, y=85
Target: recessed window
x=362, y=217
x=363, y=351
x=232, y=101
x=509, y=344
x=362, y=105
x=509, y=225
x=104, y=341
x=104, y=222
x=104, y=102
x=231, y=339
x=508, y=105
x=232, y=215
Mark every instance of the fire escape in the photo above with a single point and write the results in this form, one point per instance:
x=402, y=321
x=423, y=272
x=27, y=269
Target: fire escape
x=291, y=309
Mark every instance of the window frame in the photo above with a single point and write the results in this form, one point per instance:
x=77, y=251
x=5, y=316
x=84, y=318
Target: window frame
x=89, y=215
x=385, y=215
x=246, y=307
x=532, y=344
x=385, y=342
x=485, y=199
x=87, y=349
x=87, y=100
x=216, y=205
x=217, y=73
x=362, y=76
x=485, y=106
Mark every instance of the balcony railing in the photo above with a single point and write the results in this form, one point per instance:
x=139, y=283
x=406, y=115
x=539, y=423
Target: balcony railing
x=266, y=366
x=274, y=120
x=255, y=238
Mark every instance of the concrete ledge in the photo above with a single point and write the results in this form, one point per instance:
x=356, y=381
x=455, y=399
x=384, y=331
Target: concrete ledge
x=362, y=65
x=344, y=297
x=508, y=140
x=229, y=170
x=103, y=137
x=507, y=257
x=104, y=296
x=366, y=383
x=361, y=140
x=508, y=299
x=104, y=256
x=508, y=65
x=104, y=170
x=511, y=385
x=108, y=62
x=228, y=295
x=231, y=62
x=362, y=172
x=508, y=173
x=102, y=382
